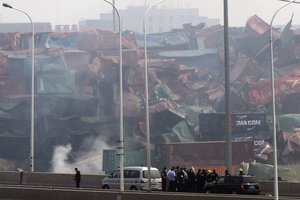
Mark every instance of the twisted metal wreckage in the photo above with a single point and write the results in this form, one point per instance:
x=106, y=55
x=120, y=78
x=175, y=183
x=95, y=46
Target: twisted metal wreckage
x=77, y=94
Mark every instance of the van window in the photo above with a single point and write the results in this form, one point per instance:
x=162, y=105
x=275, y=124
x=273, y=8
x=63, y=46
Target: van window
x=116, y=174
x=134, y=174
x=153, y=174
x=131, y=174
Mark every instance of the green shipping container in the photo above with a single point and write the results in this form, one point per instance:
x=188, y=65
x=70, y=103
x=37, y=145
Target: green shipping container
x=111, y=159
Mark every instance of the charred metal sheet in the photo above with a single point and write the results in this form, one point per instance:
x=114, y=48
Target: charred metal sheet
x=260, y=92
x=242, y=69
x=108, y=40
x=65, y=105
x=76, y=59
x=167, y=40
x=89, y=40
x=287, y=35
x=256, y=26
x=290, y=104
x=286, y=55
x=62, y=40
x=212, y=36
x=132, y=105
x=165, y=120
x=290, y=152
x=10, y=41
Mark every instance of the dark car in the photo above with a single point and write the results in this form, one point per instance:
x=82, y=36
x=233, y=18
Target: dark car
x=244, y=184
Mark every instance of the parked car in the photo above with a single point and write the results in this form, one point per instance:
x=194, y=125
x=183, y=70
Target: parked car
x=135, y=178
x=244, y=184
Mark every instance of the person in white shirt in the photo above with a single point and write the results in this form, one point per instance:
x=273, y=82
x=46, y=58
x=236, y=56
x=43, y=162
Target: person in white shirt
x=171, y=177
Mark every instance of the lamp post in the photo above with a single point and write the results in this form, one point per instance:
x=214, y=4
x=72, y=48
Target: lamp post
x=32, y=85
x=121, y=147
x=273, y=103
x=227, y=91
x=114, y=16
x=147, y=95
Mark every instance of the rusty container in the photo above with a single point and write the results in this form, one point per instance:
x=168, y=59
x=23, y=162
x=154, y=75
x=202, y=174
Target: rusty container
x=202, y=153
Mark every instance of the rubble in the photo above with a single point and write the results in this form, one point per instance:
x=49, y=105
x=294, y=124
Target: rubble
x=77, y=80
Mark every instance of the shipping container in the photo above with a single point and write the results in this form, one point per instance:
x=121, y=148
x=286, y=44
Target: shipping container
x=212, y=125
x=202, y=153
x=111, y=159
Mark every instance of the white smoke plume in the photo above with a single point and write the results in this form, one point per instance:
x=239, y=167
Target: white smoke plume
x=88, y=159
x=60, y=159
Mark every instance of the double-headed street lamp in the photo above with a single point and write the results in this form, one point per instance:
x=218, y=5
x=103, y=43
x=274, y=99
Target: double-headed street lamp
x=121, y=147
x=273, y=100
x=148, y=145
x=32, y=85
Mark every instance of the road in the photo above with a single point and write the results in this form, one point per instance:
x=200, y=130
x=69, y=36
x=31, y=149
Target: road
x=30, y=192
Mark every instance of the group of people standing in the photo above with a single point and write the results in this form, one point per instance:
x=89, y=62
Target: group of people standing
x=179, y=179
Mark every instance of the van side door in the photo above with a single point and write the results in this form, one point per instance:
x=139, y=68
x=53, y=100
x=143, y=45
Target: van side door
x=114, y=180
x=131, y=178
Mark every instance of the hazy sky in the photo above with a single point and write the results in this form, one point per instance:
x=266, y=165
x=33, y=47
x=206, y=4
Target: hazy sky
x=71, y=11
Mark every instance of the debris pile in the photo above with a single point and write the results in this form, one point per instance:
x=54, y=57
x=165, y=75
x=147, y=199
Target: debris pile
x=77, y=80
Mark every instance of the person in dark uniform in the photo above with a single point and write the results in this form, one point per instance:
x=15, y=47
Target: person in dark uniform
x=214, y=176
x=201, y=180
x=226, y=173
x=77, y=177
x=164, y=179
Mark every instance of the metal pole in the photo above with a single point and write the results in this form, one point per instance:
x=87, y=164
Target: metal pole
x=148, y=145
x=32, y=86
x=227, y=91
x=121, y=154
x=273, y=103
x=114, y=16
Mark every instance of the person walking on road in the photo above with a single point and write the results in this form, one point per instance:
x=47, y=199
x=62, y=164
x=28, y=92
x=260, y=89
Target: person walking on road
x=77, y=177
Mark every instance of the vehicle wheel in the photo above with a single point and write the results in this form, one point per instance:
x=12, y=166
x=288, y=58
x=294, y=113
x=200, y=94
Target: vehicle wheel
x=133, y=188
x=233, y=192
x=106, y=187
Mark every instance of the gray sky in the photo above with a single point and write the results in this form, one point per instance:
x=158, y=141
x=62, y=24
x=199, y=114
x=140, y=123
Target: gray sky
x=71, y=11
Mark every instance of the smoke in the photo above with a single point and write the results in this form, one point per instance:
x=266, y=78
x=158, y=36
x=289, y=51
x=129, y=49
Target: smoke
x=60, y=162
x=88, y=159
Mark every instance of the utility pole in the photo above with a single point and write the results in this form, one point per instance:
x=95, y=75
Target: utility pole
x=227, y=91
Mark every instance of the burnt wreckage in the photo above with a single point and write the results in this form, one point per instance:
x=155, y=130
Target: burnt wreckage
x=77, y=75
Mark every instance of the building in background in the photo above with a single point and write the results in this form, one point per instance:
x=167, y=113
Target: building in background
x=25, y=27
x=158, y=19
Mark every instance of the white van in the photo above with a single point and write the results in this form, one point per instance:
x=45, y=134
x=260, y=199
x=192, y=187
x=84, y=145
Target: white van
x=135, y=178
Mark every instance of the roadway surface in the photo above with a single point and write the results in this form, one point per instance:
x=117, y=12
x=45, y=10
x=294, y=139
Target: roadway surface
x=33, y=192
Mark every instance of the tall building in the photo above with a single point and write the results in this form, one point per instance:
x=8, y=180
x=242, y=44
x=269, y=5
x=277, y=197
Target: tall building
x=158, y=19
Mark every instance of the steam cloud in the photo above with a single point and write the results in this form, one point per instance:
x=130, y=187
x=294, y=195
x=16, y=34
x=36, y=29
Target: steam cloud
x=88, y=159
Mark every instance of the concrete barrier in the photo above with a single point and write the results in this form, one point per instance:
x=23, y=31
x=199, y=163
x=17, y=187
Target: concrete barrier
x=49, y=179
x=78, y=194
x=284, y=188
x=13, y=178
x=94, y=181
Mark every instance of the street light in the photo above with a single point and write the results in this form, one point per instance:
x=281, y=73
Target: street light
x=32, y=85
x=228, y=149
x=273, y=102
x=146, y=96
x=121, y=147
